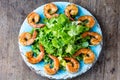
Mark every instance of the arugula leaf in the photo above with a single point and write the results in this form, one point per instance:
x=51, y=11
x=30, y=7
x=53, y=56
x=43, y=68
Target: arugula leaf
x=61, y=38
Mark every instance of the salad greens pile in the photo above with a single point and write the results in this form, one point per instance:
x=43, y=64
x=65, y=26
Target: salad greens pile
x=61, y=38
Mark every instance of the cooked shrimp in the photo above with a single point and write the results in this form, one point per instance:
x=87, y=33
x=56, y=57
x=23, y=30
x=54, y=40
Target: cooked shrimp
x=26, y=38
x=33, y=18
x=53, y=70
x=88, y=57
x=50, y=10
x=72, y=66
x=71, y=10
x=37, y=59
x=90, y=19
x=96, y=37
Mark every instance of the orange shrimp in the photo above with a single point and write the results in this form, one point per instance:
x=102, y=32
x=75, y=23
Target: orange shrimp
x=33, y=18
x=37, y=59
x=72, y=66
x=26, y=38
x=88, y=57
x=71, y=10
x=90, y=19
x=96, y=37
x=53, y=70
x=50, y=10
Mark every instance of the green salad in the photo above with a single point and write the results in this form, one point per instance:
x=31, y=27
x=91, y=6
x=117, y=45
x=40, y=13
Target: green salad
x=61, y=38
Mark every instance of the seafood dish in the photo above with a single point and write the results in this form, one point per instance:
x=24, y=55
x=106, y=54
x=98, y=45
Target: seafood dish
x=60, y=40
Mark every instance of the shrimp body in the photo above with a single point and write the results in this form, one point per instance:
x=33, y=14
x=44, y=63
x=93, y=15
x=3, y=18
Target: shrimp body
x=53, y=70
x=88, y=57
x=26, y=38
x=72, y=66
x=71, y=10
x=90, y=19
x=50, y=10
x=33, y=18
x=37, y=59
x=96, y=37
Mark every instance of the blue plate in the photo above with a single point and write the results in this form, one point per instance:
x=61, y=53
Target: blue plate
x=38, y=68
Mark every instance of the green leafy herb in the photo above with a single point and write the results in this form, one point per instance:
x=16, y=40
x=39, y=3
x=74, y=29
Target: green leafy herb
x=61, y=38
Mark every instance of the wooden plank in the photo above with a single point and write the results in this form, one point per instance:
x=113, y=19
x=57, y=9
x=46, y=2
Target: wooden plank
x=3, y=47
x=118, y=43
x=111, y=41
x=118, y=52
x=14, y=60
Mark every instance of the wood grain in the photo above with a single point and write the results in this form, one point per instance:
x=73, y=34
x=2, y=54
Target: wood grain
x=13, y=13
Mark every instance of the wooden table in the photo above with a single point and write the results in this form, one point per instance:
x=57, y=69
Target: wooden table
x=12, y=15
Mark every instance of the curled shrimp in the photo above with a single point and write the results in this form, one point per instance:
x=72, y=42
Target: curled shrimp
x=96, y=37
x=88, y=56
x=71, y=10
x=37, y=59
x=33, y=18
x=26, y=38
x=72, y=66
x=53, y=70
x=50, y=10
x=90, y=20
